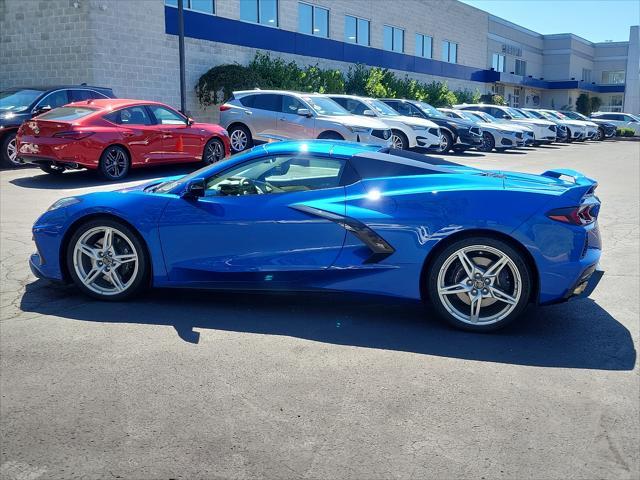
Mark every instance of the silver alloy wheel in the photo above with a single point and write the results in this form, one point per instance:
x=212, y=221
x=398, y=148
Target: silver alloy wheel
x=12, y=151
x=239, y=140
x=105, y=260
x=396, y=141
x=442, y=147
x=213, y=152
x=115, y=163
x=479, y=279
x=599, y=135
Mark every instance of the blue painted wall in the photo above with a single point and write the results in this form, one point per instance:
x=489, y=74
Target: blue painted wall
x=225, y=30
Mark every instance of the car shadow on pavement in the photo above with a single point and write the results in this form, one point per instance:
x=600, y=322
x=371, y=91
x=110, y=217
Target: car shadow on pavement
x=579, y=334
x=89, y=178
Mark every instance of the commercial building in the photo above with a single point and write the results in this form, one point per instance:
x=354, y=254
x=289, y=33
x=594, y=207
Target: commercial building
x=132, y=46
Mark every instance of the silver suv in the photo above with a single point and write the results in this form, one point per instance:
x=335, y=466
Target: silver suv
x=267, y=115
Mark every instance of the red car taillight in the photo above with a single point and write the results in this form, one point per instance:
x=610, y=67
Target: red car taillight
x=582, y=215
x=224, y=107
x=73, y=135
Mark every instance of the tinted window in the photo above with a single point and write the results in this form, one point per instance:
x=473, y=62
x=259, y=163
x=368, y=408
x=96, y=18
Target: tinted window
x=268, y=101
x=55, y=99
x=277, y=174
x=80, y=95
x=404, y=108
x=354, y=106
x=130, y=116
x=369, y=168
x=496, y=112
x=291, y=104
x=166, y=116
x=248, y=100
x=66, y=113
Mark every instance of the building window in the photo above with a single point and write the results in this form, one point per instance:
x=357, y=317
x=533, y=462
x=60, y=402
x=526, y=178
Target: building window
x=424, y=45
x=521, y=67
x=313, y=20
x=615, y=103
x=259, y=11
x=498, y=62
x=205, y=6
x=393, y=39
x=613, y=78
x=449, y=52
x=586, y=75
x=356, y=30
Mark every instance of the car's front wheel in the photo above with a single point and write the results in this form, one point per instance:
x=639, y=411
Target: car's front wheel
x=9, y=152
x=446, y=142
x=479, y=283
x=488, y=142
x=599, y=135
x=213, y=151
x=106, y=260
x=399, y=140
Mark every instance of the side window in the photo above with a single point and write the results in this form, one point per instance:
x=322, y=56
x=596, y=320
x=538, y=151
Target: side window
x=130, y=116
x=55, y=99
x=291, y=104
x=247, y=101
x=401, y=107
x=496, y=112
x=278, y=174
x=79, y=95
x=166, y=116
x=268, y=101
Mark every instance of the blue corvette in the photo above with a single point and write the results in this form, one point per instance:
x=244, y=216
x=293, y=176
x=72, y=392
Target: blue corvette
x=479, y=245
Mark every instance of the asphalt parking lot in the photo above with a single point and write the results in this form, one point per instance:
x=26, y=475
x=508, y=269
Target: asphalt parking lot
x=230, y=385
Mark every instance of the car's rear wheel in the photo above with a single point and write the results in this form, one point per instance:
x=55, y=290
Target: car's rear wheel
x=240, y=138
x=52, y=169
x=106, y=260
x=114, y=163
x=213, y=151
x=399, y=140
x=9, y=152
x=488, y=142
x=479, y=283
x=446, y=142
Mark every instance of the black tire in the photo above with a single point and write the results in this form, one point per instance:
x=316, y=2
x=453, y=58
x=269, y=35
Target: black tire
x=142, y=273
x=114, y=163
x=240, y=137
x=9, y=151
x=488, y=142
x=213, y=151
x=52, y=170
x=569, y=137
x=599, y=135
x=446, y=142
x=446, y=261
x=399, y=140
x=330, y=135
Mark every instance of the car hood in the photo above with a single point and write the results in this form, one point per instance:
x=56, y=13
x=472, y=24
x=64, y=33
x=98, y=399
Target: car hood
x=502, y=127
x=422, y=122
x=534, y=121
x=355, y=121
x=513, y=125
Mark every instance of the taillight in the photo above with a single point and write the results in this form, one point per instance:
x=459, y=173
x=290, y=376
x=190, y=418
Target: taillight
x=73, y=135
x=582, y=215
x=224, y=107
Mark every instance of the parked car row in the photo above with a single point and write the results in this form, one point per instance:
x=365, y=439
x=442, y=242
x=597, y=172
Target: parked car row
x=84, y=127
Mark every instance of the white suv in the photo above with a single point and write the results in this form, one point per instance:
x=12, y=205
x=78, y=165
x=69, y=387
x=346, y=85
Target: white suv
x=544, y=131
x=268, y=115
x=406, y=132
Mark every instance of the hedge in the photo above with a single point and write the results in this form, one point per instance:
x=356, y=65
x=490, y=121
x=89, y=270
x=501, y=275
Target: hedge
x=265, y=72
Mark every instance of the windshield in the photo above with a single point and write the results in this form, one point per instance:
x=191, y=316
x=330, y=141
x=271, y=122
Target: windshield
x=17, y=100
x=555, y=115
x=382, y=108
x=324, y=106
x=472, y=117
x=575, y=116
x=514, y=113
x=430, y=110
x=485, y=117
x=531, y=114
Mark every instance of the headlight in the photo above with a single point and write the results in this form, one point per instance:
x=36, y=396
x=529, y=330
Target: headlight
x=416, y=127
x=64, y=202
x=8, y=116
x=358, y=129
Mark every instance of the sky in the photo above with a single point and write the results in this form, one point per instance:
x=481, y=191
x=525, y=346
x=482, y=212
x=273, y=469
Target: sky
x=594, y=20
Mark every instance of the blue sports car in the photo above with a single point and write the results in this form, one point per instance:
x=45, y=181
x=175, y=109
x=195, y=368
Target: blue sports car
x=478, y=245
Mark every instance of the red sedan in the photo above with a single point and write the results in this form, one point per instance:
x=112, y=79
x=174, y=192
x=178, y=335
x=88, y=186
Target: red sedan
x=114, y=135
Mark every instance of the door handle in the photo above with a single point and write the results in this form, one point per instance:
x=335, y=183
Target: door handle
x=128, y=134
x=247, y=112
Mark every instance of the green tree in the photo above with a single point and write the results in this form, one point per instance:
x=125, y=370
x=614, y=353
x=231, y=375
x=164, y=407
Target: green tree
x=583, y=105
x=594, y=104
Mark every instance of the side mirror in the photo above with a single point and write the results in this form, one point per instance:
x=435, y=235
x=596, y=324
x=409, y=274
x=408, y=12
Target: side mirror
x=304, y=112
x=508, y=117
x=194, y=189
x=42, y=109
x=190, y=121
x=369, y=113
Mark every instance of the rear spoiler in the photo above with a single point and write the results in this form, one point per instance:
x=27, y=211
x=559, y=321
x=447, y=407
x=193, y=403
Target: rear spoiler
x=583, y=185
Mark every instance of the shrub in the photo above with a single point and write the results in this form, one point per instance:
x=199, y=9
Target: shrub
x=624, y=132
x=266, y=72
x=492, y=99
x=583, y=104
x=594, y=104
